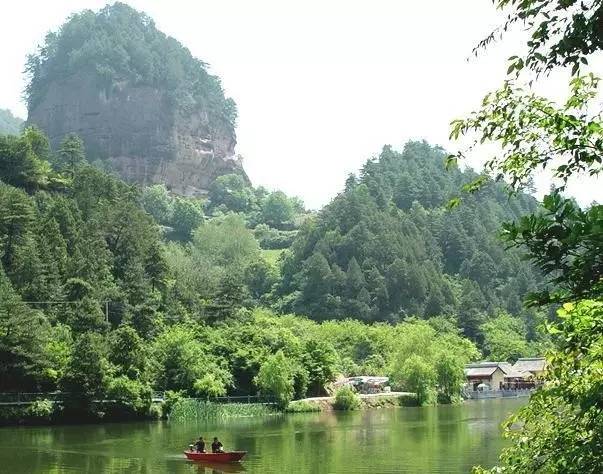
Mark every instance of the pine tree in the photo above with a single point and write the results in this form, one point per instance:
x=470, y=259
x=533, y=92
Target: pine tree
x=23, y=333
x=16, y=218
x=70, y=154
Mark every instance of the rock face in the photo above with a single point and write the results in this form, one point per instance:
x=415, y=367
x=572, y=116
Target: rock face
x=141, y=131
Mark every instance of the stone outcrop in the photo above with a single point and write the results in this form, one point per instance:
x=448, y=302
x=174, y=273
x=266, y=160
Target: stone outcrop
x=141, y=131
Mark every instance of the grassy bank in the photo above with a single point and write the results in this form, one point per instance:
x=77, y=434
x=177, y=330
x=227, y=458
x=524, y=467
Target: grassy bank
x=44, y=412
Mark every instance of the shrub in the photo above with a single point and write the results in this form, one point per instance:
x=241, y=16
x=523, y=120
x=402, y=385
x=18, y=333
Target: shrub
x=156, y=411
x=275, y=378
x=171, y=398
x=131, y=396
x=417, y=375
x=12, y=415
x=209, y=386
x=41, y=410
x=346, y=399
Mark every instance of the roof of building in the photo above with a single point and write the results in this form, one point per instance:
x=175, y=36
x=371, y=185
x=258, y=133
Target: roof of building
x=506, y=367
x=482, y=369
x=530, y=364
x=517, y=374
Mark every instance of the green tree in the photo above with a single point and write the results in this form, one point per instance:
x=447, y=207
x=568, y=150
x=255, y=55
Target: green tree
x=23, y=160
x=209, y=386
x=232, y=192
x=130, y=397
x=16, y=219
x=316, y=285
x=179, y=360
x=85, y=376
x=450, y=375
x=127, y=352
x=9, y=124
x=260, y=277
x=505, y=338
x=559, y=430
x=277, y=210
x=275, y=378
x=227, y=243
x=417, y=376
x=186, y=217
x=157, y=202
x=560, y=427
x=58, y=348
x=71, y=153
x=320, y=360
x=23, y=336
x=565, y=242
x=346, y=399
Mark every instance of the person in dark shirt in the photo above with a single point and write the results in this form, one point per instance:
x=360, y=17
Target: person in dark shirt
x=200, y=445
x=216, y=446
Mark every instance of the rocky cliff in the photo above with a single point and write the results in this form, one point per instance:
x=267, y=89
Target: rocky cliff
x=140, y=131
x=138, y=99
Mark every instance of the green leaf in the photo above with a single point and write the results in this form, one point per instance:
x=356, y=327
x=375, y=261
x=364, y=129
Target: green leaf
x=454, y=202
x=451, y=162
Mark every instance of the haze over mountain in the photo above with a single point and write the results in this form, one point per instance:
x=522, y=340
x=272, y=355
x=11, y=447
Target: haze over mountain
x=9, y=124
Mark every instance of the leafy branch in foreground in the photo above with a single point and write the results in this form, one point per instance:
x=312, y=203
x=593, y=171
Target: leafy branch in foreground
x=561, y=429
x=563, y=32
x=566, y=243
x=535, y=133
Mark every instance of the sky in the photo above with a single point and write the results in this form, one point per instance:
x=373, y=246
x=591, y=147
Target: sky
x=321, y=85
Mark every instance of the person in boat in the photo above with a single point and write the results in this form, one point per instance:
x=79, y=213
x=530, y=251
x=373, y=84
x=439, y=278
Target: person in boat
x=200, y=445
x=216, y=446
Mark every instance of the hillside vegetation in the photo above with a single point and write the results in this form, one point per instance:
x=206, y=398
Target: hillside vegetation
x=111, y=290
x=387, y=247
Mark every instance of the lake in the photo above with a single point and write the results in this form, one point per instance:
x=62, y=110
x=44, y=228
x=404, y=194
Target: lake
x=393, y=440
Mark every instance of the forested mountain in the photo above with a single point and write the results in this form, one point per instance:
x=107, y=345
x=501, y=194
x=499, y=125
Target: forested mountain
x=142, y=104
x=83, y=253
x=109, y=290
x=387, y=247
x=9, y=124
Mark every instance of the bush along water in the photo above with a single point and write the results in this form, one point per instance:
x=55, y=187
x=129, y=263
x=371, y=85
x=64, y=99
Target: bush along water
x=39, y=412
x=346, y=399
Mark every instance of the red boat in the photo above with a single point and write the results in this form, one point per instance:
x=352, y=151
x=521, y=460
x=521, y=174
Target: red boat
x=228, y=456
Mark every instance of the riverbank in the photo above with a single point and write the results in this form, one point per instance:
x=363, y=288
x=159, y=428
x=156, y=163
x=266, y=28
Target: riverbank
x=47, y=412
x=44, y=412
x=366, y=401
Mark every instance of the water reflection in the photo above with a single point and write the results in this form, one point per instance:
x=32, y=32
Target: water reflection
x=414, y=440
x=216, y=468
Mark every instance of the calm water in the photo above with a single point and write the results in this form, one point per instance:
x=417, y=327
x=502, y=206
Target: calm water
x=393, y=440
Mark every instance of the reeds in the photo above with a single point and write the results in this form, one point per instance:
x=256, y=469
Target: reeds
x=192, y=409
